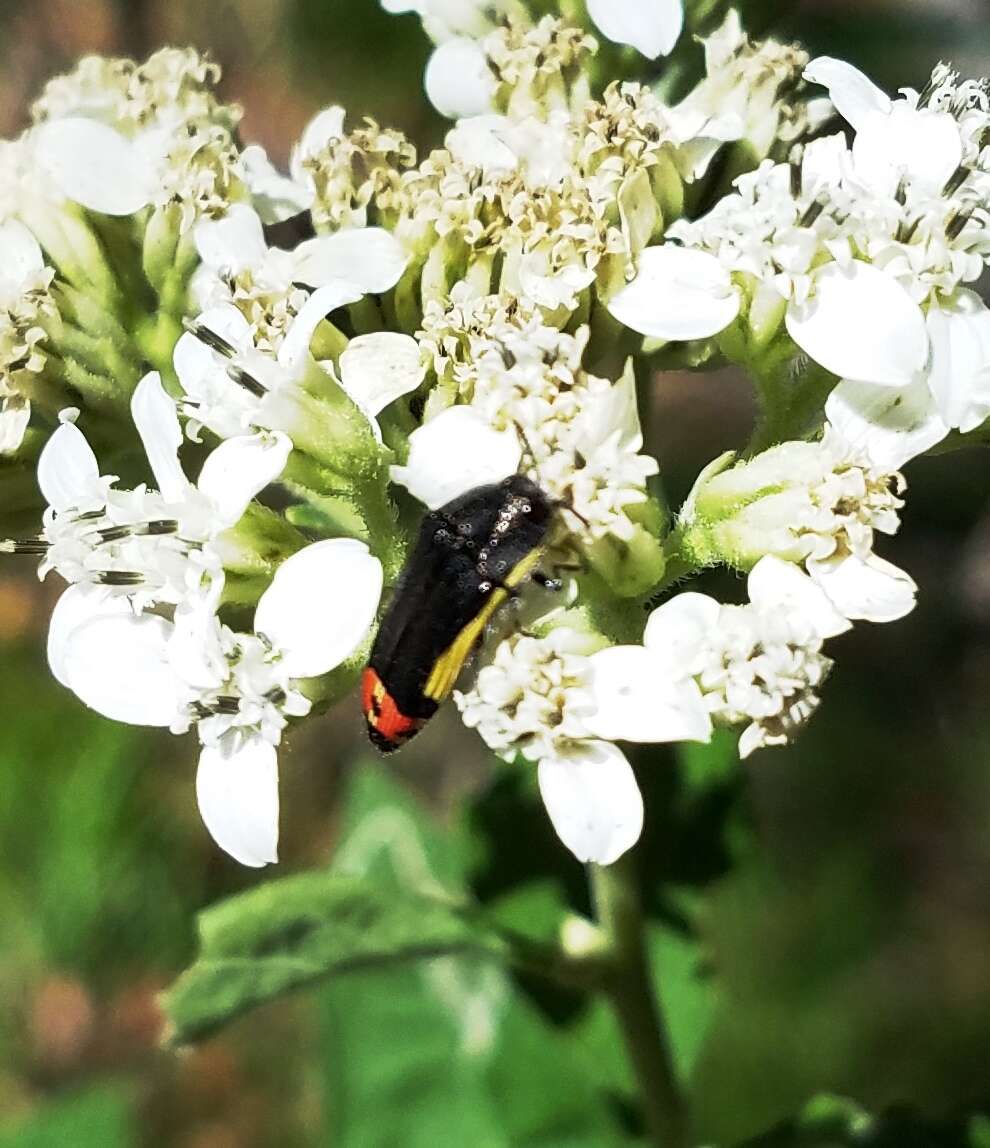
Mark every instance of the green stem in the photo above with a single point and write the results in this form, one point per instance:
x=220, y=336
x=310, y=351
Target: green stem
x=629, y=986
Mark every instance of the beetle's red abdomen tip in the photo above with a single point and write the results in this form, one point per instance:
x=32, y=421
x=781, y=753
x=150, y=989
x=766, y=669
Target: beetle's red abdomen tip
x=388, y=727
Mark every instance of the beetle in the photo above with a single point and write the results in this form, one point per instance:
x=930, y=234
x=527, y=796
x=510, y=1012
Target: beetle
x=470, y=557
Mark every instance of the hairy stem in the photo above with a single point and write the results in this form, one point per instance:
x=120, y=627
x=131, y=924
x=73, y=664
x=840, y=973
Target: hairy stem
x=629, y=986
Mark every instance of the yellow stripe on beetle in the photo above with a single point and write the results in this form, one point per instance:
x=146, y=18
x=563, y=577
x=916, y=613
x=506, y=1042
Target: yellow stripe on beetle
x=445, y=671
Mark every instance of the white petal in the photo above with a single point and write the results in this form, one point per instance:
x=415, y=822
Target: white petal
x=80, y=603
x=196, y=366
x=891, y=426
x=861, y=324
x=195, y=647
x=775, y=585
x=95, y=166
x=232, y=243
x=118, y=665
x=455, y=452
x=239, y=468
x=237, y=791
x=157, y=423
x=320, y=605
x=640, y=697
x=678, y=294
x=294, y=347
x=479, y=141
x=326, y=127
x=552, y=289
x=652, y=27
x=593, y=801
x=377, y=369
x=874, y=590
x=68, y=472
x=15, y=415
x=959, y=329
x=276, y=197
x=20, y=256
x=855, y=95
x=366, y=257
x=920, y=142
x=680, y=630
x=611, y=414
x=458, y=81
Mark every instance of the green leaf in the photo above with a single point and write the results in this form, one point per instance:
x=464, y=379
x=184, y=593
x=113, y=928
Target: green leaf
x=388, y=836
x=447, y=1051
x=290, y=933
x=97, y=1118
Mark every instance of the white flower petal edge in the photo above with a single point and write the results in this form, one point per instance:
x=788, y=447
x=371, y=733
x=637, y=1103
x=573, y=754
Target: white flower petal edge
x=458, y=81
x=455, y=452
x=21, y=256
x=959, y=329
x=276, y=197
x=240, y=468
x=118, y=665
x=78, y=604
x=652, y=27
x=678, y=293
x=367, y=257
x=642, y=698
x=891, y=426
x=377, y=369
x=153, y=412
x=854, y=94
x=68, y=473
x=95, y=166
x=237, y=791
x=320, y=605
x=921, y=142
x=861, y=324
x=774, y=584
x=233, y=243
x=679, y=629
x=593, y=801
x=324, y=300
x=872, y=590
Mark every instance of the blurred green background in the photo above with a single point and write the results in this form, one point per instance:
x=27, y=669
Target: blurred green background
x=851, y=944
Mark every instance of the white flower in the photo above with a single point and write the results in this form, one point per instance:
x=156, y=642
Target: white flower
x=818, y=504
x=148, y=545
x=231, y=385
x=444, y=19
x=458, y=81
x=532, y=700
x=580, y=434
x=894, y=139
x=652, y=27
x=862, y=252
x=25, y=303
x=677, y=294
x=239, y=265
x=278, y=197
x=378, y=368
x=238, y=689
x=115, y=136
x=751, y=92
x=703, y=663
x=455, y=452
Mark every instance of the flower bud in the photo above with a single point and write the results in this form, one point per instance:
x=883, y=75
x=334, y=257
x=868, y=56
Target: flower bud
x=797, y=501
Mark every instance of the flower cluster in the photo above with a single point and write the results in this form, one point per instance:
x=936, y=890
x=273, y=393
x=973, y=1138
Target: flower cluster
x=375, y=330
